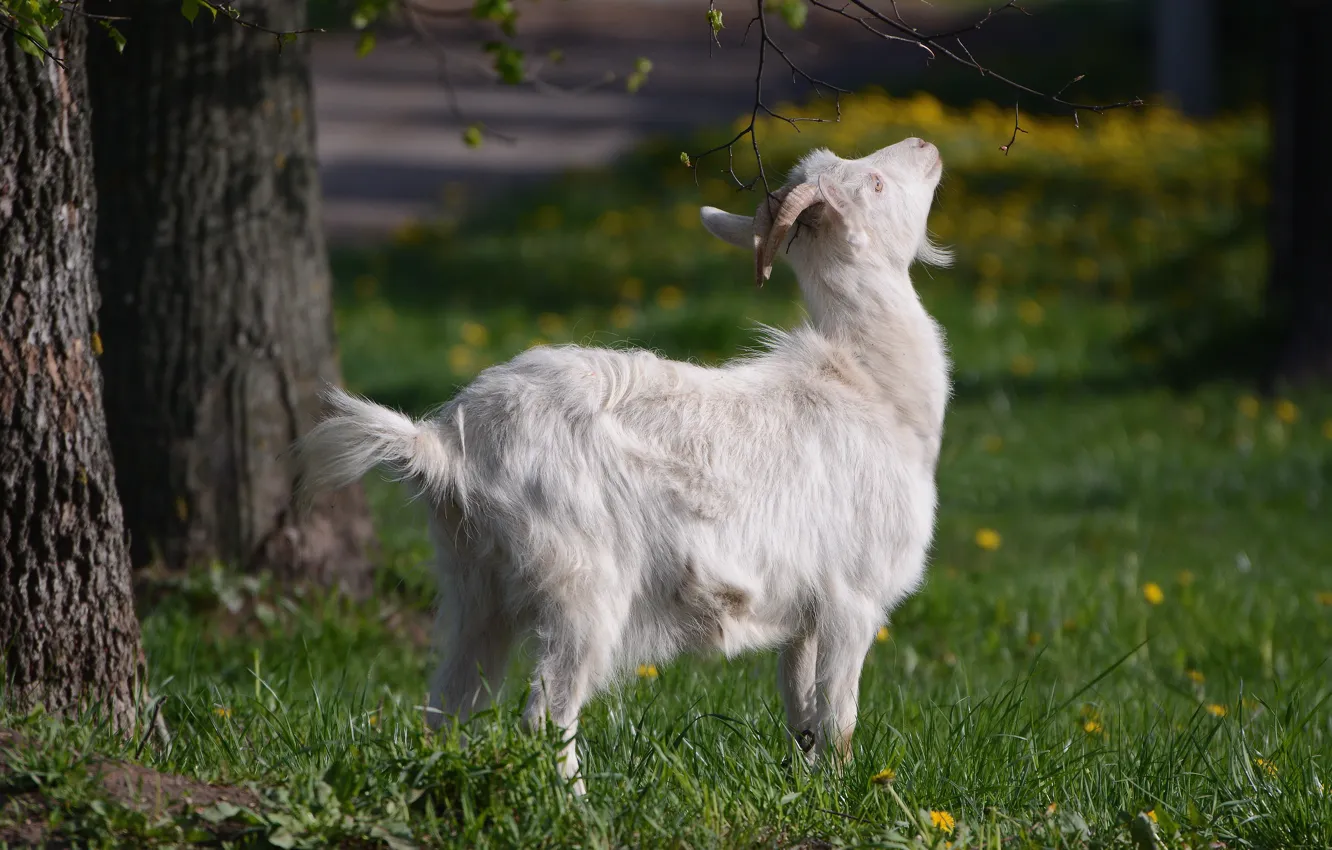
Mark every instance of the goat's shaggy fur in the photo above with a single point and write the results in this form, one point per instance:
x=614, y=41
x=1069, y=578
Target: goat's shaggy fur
x=626, y=508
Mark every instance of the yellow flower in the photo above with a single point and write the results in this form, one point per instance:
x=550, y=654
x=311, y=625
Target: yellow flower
x=611, y=223
x=1249, y=406
x=1033, y=638
x=988, y=539
x=992, y=443
x=1022, y=365
x=1151, y=591
x=942, y=821
x=647, y=671
x=475, y=335
x=1327, y=429
x=1266, y=767
x=623, y=316
x=1195, y=676
x=1151, y=814
x=670, y=298
x=1216, y=710
x=222, y=711
x=548, y=217
x=1051, y=809
x=631, y=289
x=1323, y=597
x=1092, y=726
x=460, y=358
x=1030, y=312
x=884, y=776
x=1087, y=269
x=882, y=635
x=373, y=720
x=550, y=324
x=1287, y=412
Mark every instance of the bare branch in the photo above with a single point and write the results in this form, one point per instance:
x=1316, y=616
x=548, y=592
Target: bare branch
x=1017, y=128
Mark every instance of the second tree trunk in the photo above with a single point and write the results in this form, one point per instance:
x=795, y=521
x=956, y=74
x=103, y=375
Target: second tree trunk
x=217, y=314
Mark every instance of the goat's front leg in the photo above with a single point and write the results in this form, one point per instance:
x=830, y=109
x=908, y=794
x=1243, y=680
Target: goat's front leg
x=796, y=679
x=844, y=641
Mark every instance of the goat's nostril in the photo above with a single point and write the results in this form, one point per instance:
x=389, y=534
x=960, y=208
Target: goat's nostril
x=921, y=143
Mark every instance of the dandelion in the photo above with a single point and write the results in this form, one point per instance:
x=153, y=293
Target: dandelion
x=373, y=720
x=1151, y=815
x=1051, y=809
x=942, y=821
x=992, y=443
x=670, y=298
x=460, y=359
x=1287, y=412
x=1327, y=429
x=1195, y=676
x=1022, y=365
x=1033, y=638
x=647, y=671
x=474, y=334
x=882, y=634
x=550, y=324
x=631, y=289
x=884, y=777
x=611, y=223
x=1266, y=767
x=623, y=316
x=222, y=711
x=1092, y=726
x=988, y=539
x=1216, y=710
x=1323, y=597
x=1249, y=407
x=1151, y=591
x=1087, y=269
x=1030, y=312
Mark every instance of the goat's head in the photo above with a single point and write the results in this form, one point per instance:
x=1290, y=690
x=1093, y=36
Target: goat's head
x=843, y=211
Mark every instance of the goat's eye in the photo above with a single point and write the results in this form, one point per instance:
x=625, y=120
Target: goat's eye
x=878, y=183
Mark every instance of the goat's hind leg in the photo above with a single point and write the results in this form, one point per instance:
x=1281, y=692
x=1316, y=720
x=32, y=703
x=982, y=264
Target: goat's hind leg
x=796, y=671
x=475, y=638
x=844, y=641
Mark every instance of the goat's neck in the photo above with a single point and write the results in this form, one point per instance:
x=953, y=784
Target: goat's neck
x=876, y=316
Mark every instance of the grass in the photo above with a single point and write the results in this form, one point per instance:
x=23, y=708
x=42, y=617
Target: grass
x=1123, y=639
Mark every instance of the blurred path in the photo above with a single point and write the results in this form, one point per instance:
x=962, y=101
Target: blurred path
x=390, y=146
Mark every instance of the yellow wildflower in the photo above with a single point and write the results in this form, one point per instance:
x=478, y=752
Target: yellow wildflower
x=1327, y=429
x=1151, y=591
x=611, y=223
x=550, y=324
x=884, y=777
x=1031, y=312
x=1051, y=809
x=647, y=671
x=942, y=821
x=222, y=711
x=1323, y=597
x=988, y=539
x=1266, y=767
x=474, y=334
x=623, y=316
x=1151, y=815
x=548, y=217
x=1087, y=269
x=1022, y=365
x=1249, y=406
x=1286, y=411
x=373, y=720
x=631, y=289
x=460, y=358
x=992, y=443
x=1033, y=638
x=1216, y=710
x=1195, y=676
x=882, y=635
x=1092, y=726
x=670, y=298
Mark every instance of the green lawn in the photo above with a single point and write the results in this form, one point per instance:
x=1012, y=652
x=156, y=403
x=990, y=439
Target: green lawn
x=1129, y=609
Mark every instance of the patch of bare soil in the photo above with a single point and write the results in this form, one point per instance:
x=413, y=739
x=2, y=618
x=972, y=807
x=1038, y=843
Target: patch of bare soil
x=27, y=813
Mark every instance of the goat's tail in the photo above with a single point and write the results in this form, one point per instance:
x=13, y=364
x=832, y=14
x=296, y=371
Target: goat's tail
x=359, y=435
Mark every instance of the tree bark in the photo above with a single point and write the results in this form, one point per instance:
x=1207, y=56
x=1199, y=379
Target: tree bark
x=217, y=310
x=67, y=621
x=1300, y=284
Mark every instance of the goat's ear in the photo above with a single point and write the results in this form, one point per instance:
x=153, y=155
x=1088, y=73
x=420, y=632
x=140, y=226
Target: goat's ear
x=839, y=207
x=737, y=230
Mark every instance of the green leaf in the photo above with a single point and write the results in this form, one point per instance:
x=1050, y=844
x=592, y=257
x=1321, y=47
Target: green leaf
x=116, y=36
x=190, y=9
x=642, y=67
x=794, y=12
x=32, y=39
x=282, y=838
x=508, y=61
x=684, y=159
x=715, y=20
x=365, y=44
x=472, y=136
x=219, y=811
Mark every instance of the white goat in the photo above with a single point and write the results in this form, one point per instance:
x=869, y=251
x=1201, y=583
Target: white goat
x=626, y=508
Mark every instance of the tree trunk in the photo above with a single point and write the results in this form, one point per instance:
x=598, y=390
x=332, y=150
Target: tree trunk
x=217, y=310
x=67, y=621
x=1185, y=63
x=1300, y=285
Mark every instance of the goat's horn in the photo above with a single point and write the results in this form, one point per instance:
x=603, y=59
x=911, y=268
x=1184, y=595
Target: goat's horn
x=769, y=231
